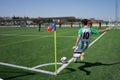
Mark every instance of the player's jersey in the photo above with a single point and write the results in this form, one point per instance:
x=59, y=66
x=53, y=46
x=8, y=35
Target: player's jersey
x=85, y=34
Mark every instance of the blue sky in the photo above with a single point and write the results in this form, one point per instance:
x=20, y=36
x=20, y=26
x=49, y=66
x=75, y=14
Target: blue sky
x=100, y=9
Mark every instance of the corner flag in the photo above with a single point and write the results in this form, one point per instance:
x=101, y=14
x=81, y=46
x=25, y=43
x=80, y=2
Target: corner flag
x=54, y=25
x=51, y=28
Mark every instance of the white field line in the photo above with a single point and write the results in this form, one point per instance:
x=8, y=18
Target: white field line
x=44, y=65
x=27, y=68
x=96, y=39
x=22, y=35
x=37, y=35
x=8, y=34
x=65, y=65
x=32, y=35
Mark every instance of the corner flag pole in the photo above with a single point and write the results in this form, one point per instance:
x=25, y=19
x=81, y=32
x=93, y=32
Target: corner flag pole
x=55, y=45
x=55, y=50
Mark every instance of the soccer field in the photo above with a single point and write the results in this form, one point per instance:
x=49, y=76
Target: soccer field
x=28, y=47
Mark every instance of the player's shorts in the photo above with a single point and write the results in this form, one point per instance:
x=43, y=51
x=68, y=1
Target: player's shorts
x=78, y=50
x=81, y=47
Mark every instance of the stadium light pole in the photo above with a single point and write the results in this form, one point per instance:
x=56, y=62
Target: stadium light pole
x=116, y=13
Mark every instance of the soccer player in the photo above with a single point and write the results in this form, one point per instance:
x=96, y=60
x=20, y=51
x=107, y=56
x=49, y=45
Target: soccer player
x=60, y=24
x=71, y=24
x=90, y=23
x=39, y=26
x=83, y=39
x=100, y=24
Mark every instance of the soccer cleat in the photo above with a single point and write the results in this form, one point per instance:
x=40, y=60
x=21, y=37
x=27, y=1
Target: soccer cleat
x=64, y=62
x=74, y=60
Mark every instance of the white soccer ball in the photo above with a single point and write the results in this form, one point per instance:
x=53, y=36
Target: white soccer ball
x=1, y=79
x=64, y=59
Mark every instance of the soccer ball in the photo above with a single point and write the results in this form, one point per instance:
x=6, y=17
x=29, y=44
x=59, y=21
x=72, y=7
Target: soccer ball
x=64, y=60
x=1, y=79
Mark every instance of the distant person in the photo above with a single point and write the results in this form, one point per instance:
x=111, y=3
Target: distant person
x=71, y=24
x=106, y=23
x=60, y=24
x=79, y=24
x=83, y=39
x=90, y=24
x=39, y=26
x=100, y=24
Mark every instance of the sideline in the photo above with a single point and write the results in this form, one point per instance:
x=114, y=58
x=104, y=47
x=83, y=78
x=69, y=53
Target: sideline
x=27, y=68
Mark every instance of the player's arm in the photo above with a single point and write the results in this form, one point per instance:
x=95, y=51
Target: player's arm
x=77, y=41
x=104, y=30
x=78, y=38
x=94, y=31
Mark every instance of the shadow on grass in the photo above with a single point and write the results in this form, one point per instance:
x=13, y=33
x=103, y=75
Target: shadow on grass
x=89, y=64
x=69, y=70
x=15, y=74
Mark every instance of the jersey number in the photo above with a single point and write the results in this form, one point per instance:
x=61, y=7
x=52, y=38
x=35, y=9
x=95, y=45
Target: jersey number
x=86, y=35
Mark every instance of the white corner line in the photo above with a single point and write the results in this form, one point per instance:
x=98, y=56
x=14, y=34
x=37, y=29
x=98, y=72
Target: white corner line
x=64, y=66
x=27, y=68
x=38, y=66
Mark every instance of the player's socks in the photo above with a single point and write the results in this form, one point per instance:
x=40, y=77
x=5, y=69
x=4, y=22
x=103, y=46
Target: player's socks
x=82, y=56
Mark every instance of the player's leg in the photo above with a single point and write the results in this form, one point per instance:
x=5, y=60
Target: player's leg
x=76, y=56
x=77, y=53
x=82, y=56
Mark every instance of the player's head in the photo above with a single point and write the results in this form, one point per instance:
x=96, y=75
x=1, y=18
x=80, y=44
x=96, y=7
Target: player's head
x=84, y=22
